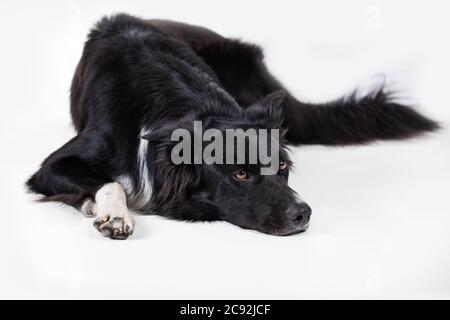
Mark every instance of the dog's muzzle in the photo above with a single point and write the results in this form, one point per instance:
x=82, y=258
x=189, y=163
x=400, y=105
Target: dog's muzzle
x=299, y=215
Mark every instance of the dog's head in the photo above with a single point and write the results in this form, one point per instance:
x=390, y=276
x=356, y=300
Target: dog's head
x=248, y=187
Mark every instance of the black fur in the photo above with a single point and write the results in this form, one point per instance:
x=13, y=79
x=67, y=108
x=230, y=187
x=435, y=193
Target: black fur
x=159, y=75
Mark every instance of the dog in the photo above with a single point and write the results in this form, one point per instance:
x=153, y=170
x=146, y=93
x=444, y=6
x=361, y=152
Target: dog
x=139, y=80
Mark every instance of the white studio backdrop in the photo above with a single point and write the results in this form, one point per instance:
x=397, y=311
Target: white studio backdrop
x=381, y=218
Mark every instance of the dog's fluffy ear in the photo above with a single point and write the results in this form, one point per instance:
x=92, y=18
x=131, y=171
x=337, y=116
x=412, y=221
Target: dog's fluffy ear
x=270, y=110
x=273, y=103
x=273, y=100
x=174, y=181
x=171, y=181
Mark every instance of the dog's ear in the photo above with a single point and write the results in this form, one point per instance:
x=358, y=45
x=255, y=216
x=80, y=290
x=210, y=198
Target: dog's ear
x=171, y=182
x=273, y=100
x=270, y=110
x=273, y=105
x=175, y=181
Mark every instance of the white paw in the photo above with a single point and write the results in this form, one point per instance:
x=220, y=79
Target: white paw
x=114, y=220
x=115, y=226
x=88, y=209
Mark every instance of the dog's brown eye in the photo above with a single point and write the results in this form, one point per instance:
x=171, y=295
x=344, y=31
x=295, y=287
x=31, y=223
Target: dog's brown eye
x=241, y=175
x=283, y=165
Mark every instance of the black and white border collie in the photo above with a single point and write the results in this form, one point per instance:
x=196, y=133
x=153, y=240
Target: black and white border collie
x=138, y=80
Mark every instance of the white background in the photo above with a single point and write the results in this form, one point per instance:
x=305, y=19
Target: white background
x=381, y=218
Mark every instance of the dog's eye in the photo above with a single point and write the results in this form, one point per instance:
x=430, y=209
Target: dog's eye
x=240, y=175
x=283, y=165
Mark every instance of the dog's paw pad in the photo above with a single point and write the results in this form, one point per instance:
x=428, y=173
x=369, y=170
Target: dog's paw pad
x=118, y=228
x=101, y=220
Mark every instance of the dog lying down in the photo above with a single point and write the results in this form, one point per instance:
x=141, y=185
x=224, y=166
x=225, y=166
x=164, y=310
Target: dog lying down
x=142, y=83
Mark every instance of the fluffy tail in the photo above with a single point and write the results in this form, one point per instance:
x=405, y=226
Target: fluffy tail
x=353, y=120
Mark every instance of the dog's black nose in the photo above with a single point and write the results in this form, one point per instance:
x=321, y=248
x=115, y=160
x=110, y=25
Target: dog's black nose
x=300, y=213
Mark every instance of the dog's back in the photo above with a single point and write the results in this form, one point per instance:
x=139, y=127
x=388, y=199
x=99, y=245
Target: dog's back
x=124, y=54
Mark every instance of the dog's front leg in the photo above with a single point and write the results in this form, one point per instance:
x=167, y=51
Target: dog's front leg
x=114, y=220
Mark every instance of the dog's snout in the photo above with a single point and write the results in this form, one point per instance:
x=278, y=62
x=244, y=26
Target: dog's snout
x=300, y=213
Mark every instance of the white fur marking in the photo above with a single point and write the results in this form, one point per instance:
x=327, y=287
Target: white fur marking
x=114, y=220
x=140, y=195
x=88, y=209
x=127, y=185
x=144, y=192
